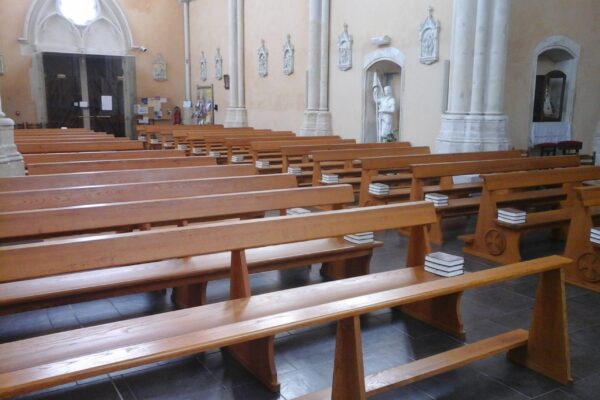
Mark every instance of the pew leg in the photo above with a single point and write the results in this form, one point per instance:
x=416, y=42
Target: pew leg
x=189, y=295
x=441, y=312
x=258, y=357
x=547, y=350
x=348, y=268
x=435, y=233
x=348, y=371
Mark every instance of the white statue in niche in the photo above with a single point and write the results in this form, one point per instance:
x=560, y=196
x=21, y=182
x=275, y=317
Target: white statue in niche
x=344, y=43
x=429, y=35
x=159, y=68
x=263, y=60
x=203, y=72
x=288, y=57
x=218, y=65
x=385, y=107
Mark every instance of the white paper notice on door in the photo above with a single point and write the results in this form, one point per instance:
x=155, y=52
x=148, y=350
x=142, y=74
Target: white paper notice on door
x=107, y=103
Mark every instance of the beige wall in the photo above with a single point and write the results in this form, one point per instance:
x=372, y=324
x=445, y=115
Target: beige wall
x=154, y=24
x=533, y=21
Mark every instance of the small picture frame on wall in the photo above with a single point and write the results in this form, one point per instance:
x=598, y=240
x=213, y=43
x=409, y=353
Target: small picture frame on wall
x=226, y=81
x=1, y=64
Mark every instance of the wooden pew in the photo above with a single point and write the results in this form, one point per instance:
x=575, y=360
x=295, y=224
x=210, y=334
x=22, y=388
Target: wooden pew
x=498, y=241
x=350, y=171
x=113, y=165
x=114, y=193
x=438, y=178
x=61, y=139
x=53, y=181
x=197, y=144
x=99, y=155
x=219, y=143
x=240, y=145
x=584, y=271
x=28, y=148
x=189, y=275
x=376, y=168
x=247, y=324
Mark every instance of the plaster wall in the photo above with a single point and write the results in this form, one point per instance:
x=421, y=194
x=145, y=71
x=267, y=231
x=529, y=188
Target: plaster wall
x=157, y=25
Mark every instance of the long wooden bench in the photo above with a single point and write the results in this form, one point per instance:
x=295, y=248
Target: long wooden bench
x=197, y=143
x=375, y=168
x=246, y=324
x=114, y=193
x=28, y=148
x=499, y=241
x=53, y=181
x=189, y=275
x=57, y=139
x=220, y=143
x=240, y=145
x=114, y=165
x=438, y=178
x=584, y=271
x=99, y=155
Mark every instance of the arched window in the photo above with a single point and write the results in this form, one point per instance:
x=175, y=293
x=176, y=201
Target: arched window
x=80, y=12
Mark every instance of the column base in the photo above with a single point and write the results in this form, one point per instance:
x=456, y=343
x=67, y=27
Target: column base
x=236, y=117
x=11, y=161
x=461, y=133
x=316, y=123
x=186, y=116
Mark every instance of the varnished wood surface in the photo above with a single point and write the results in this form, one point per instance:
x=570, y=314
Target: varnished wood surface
x=27, y=148
x=100, y=155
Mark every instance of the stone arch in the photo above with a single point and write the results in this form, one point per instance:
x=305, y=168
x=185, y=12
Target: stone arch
x=389, y=61
x=559, y=53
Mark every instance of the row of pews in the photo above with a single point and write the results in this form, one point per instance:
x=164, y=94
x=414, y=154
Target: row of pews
x=78, y=236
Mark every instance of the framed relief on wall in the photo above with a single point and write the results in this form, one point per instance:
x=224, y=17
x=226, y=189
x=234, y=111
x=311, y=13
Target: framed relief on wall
x=159, y=69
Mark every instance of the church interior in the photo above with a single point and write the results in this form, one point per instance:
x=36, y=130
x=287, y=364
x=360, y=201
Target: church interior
x=300, y=199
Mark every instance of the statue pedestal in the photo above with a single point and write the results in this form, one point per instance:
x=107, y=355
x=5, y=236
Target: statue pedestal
x=11, y=161
x=316, y=123
x=461, y=133
x=237, y=117
x=186, y=115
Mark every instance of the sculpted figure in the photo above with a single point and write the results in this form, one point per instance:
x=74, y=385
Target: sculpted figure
x=385, y=105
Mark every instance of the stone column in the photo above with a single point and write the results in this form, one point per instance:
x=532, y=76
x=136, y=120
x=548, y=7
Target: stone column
x=11, y=161
x=187, y=111
x=236, y=112
x=317, y=118
x=480, y=59
x=494, y=102
x=597, y=144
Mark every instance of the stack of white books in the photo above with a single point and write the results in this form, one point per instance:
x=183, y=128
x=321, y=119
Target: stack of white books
x=595, y=235
x=196, y=151
x=438, y=200
x=297, y=211
x=360, y=238
x=329, y=178
x=168, y=144
x=142, y=138
x=154, y=141
x=237, y=158
x=512, y=216
x=379, y=189
x=182, y=146
x=294, y=170
x=214, y=153
x=444, y=264
x=262, y=164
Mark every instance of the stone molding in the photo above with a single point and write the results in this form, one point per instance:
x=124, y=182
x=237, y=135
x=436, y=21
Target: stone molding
x=429, y=37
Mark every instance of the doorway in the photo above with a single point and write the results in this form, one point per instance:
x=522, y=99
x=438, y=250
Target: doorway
x=87, y=91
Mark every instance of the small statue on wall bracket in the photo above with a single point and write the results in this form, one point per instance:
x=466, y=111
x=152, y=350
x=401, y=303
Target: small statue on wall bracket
x=263, y=60
x=159, y=68
x=429, y=33
x=203, y=69
x=218, y=65
x=288, y=57
x=344, y=43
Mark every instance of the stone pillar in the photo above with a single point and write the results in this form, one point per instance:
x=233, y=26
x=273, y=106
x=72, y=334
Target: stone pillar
x=11, y=161
x=597, y=144
x=237, y=115
x=187, y=112
x=317, y=118
x=475, y=120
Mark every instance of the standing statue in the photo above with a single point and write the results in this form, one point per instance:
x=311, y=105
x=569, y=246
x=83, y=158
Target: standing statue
x=385, y=107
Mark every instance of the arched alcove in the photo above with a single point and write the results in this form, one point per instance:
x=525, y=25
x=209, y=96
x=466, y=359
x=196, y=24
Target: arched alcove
x=552, y=57
x=388, y=64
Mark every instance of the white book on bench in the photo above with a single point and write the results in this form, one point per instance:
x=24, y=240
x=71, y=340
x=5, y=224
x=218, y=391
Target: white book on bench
x=196, y=150
x=294, y=170
x=436, y=197
x=511, y=213
x=358, y=241
x=214, y=153
x=594, y=240
x=448, y=260
x=297, y=211
x=510, y=220
x=595, y=231
x=443, y=267
x=182, y=147
x=443, y=273
x=237, y=158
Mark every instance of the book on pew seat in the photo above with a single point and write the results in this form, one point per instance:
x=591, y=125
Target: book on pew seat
x=438, y=199
x=329, y=178
x=214, y=153
x=445, y=259
x=444, y=273
x=379, y=189
x=294, y=170
x=169, y=144
x=297, y=211
x=595, y=235
x=262, y=164
x=360, y=238
x=154, y=141
x=182, y=147
x=237, y=158
x=512, y=216
x=196, y=151
x=142, y=138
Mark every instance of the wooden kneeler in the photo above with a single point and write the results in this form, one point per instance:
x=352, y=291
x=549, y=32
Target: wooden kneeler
x=257, y=356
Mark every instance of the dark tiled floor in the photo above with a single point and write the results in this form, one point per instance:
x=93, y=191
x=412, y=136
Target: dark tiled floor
x=304, y=357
